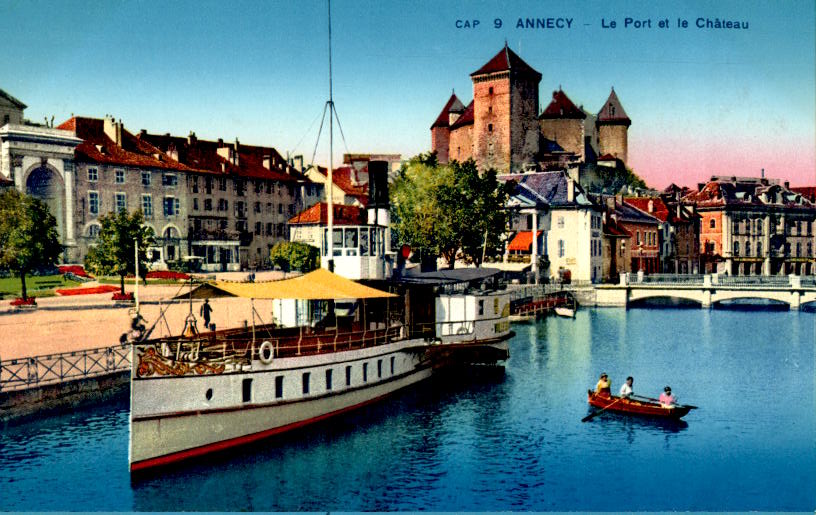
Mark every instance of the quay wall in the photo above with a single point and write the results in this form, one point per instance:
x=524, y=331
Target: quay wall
x=61, y=397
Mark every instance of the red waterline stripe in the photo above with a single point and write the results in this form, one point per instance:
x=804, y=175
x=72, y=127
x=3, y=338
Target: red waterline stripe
x=241, y=440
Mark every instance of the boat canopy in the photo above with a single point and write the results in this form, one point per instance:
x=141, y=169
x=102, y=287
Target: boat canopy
x=317, y=285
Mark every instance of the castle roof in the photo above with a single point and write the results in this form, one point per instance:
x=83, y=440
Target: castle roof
x=506, y=60
x=552, y=188
x=562, y=107
x=465, y=119
x=453, y=105
x=13, y=100
x=612, y=112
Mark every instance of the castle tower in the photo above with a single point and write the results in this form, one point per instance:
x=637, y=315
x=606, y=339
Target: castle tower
x=613, y=128
x=563, y=123
x=440, y=130
x=505, y=124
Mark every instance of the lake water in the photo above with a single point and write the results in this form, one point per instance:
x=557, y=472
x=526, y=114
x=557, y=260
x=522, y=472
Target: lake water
x=506, y=440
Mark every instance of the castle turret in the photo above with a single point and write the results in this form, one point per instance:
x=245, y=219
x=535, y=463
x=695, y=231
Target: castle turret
x=505, y=128
x=613, y=128
x=440, y=130
x=563, y=123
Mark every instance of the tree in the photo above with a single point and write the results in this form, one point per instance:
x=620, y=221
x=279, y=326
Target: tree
x=442, y=209
x=294, y=255
x=114, y=251
x=28, y=235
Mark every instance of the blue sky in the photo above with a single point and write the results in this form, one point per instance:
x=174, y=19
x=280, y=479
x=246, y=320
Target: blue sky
x=701, y=101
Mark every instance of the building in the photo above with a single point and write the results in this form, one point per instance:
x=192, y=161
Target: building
x=574, y=241
x=502, y=128
x=617, y=252
x=350, y=184
x=754, y=226
x=678, y=233
x=11, y=110
x=528, y=226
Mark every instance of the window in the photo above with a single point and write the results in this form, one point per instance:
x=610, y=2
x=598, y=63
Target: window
x=269, y=208
x=280, y=209
x=246, y=389
x=146, y=178
x=489, y=127
x=120, y=201
x=171, y=206
x=560, y=222
x=365, y=372
x=257, y=207
x=279, y=387
x=490, y=90
x=809, y=249
x=379, y=368
x=328, y=379
x=222, y=183
x=147, y=205
x=195, y=204
x=194, y=184
x=392, y=365
x=241, y=226
x=240, y=210
x=798, y=249
x=169, y=180
x=270, y=229
x=208, y=185
x=258, y=226
x=348, y=375
x=119, y=176
x=712, y=224
x=93, y=174
x=207, y=204
x=747, y=248
x=736, y=248
x=258, y=186
x=269, y=188
x=306, y=382
x=638, y=237
x=481, y=307
x=560, y=248
x=93, y=202
x=93, y=231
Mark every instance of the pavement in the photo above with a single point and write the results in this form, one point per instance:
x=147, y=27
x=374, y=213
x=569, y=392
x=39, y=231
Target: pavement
x=78, y=322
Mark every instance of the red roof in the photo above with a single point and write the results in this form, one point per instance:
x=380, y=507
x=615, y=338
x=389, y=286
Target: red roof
x=453, y=105
x=465, y=119
x=612, y=111
x=562, y=107
x=506, y=60
x=611, y=228
x=659, y=208
x=809, y=192
x=319, y=213
x=347, y=178
x=607, y=157
x=523, y=240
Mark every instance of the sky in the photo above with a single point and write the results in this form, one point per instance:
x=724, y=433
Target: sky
x=702, y=101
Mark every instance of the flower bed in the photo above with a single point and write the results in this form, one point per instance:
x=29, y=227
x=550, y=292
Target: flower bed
x=167, y=274
x=128, y=297
x=105, y=288
x=74, y=269
x=19, y=301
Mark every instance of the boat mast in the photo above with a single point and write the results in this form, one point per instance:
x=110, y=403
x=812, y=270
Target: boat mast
x=330, y=192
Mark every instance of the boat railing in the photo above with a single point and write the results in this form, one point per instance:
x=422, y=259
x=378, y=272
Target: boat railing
x=50, y=369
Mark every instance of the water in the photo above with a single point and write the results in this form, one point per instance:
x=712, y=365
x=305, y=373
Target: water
x=492, y=441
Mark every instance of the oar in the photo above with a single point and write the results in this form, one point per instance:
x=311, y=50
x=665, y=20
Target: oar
x=593, y=415
x=658, y=400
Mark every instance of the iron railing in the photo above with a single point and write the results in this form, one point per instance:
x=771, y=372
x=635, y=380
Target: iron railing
x=32, y=372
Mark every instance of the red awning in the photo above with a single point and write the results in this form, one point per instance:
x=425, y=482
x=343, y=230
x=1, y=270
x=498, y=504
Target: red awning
x=522, y=241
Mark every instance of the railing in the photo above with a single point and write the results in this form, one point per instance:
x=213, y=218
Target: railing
x=668, y=278
x=32, y=372
x=714, y=280
x=753, y=280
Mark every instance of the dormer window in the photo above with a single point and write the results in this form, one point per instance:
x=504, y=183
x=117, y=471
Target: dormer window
x=611, y=110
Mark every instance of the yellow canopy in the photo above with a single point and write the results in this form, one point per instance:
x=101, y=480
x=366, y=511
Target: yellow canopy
x=317, y=285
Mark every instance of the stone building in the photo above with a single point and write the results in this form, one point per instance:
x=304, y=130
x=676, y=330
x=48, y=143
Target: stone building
x=502, y=128
x=755, y=226
x=617, y=251
x=678, y=233
x=11, y=110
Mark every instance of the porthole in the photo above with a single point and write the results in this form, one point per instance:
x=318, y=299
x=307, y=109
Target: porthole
x=208, y=395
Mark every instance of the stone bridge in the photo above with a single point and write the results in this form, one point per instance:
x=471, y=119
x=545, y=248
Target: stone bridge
x=709, y=289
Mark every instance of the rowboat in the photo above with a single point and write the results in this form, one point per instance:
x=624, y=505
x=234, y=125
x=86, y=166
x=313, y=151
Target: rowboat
x=565, y=312
x=631, y=406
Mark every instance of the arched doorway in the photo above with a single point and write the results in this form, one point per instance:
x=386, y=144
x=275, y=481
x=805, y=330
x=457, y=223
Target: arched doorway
x=171, y=241
x=46, y=185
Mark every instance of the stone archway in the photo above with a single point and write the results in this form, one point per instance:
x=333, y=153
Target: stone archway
x=47, y=185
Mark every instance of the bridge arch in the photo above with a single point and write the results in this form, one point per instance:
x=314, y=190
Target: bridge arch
x=638, y=295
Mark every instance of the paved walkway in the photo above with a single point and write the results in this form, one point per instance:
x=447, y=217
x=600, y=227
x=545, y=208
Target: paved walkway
x=64, y=324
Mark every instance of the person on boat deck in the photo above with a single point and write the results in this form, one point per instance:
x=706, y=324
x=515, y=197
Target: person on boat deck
x=603, y=387
x=667, y=400
x=626, y=388
x=206, y=309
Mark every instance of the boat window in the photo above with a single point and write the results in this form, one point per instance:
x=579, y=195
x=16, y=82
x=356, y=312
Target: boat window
x=379, y=368
x=481, y=307
x=364, y=242
x=365, y=372
x=374, y=246
x=392, y=365
x=279, y=387
x=306, y=382
x=348, y=375
x=328, y=379
x=350, y=238
x=247, y=389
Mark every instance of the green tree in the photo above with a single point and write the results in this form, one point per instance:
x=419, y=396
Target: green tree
x=614, y=180
x=294, y=255
x=442, y=209
x=114, y=251
x=28, y=235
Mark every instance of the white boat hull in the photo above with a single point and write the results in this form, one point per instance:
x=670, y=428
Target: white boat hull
x=565, y=312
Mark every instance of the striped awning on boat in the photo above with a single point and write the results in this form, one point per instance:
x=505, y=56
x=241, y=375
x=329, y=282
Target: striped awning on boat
x=317, y=285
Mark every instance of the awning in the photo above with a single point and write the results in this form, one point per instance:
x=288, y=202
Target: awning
x=523, y=241
x=317, y=285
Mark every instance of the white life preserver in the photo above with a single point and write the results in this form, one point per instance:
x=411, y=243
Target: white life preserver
x=266, y=352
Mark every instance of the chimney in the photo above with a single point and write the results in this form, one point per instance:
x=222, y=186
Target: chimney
x=142, y=133
x=651, y=206
x=762, y=173
x=172, y=151
x=191, y=139
x=267, y=162
x=679, y=210
x=220, y=142
x=570, y=190
x=700, y=186
x=113, y=129
x=235, y=152
x=298, y=163
x=787, y=185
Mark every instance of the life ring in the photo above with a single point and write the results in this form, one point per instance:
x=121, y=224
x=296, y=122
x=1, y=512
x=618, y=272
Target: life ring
x=266, y=352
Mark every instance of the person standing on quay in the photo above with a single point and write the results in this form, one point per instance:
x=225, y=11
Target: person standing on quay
x=206, y=309
x=626, y=388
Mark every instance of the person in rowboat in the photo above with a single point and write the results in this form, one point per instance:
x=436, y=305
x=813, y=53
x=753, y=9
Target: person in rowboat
x=667, y=400
x=626, y=388
x=604, y=387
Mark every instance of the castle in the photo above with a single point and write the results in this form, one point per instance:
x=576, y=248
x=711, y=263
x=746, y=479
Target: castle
x=502, y=128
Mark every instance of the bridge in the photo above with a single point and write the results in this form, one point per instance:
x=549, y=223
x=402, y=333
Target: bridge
x=709, y=289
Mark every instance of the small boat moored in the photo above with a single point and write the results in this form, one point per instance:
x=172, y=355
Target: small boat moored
x=564, y=311
x=634, y=406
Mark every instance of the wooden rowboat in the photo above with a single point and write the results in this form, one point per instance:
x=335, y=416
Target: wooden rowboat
x=564, y=311
x=636, y=407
